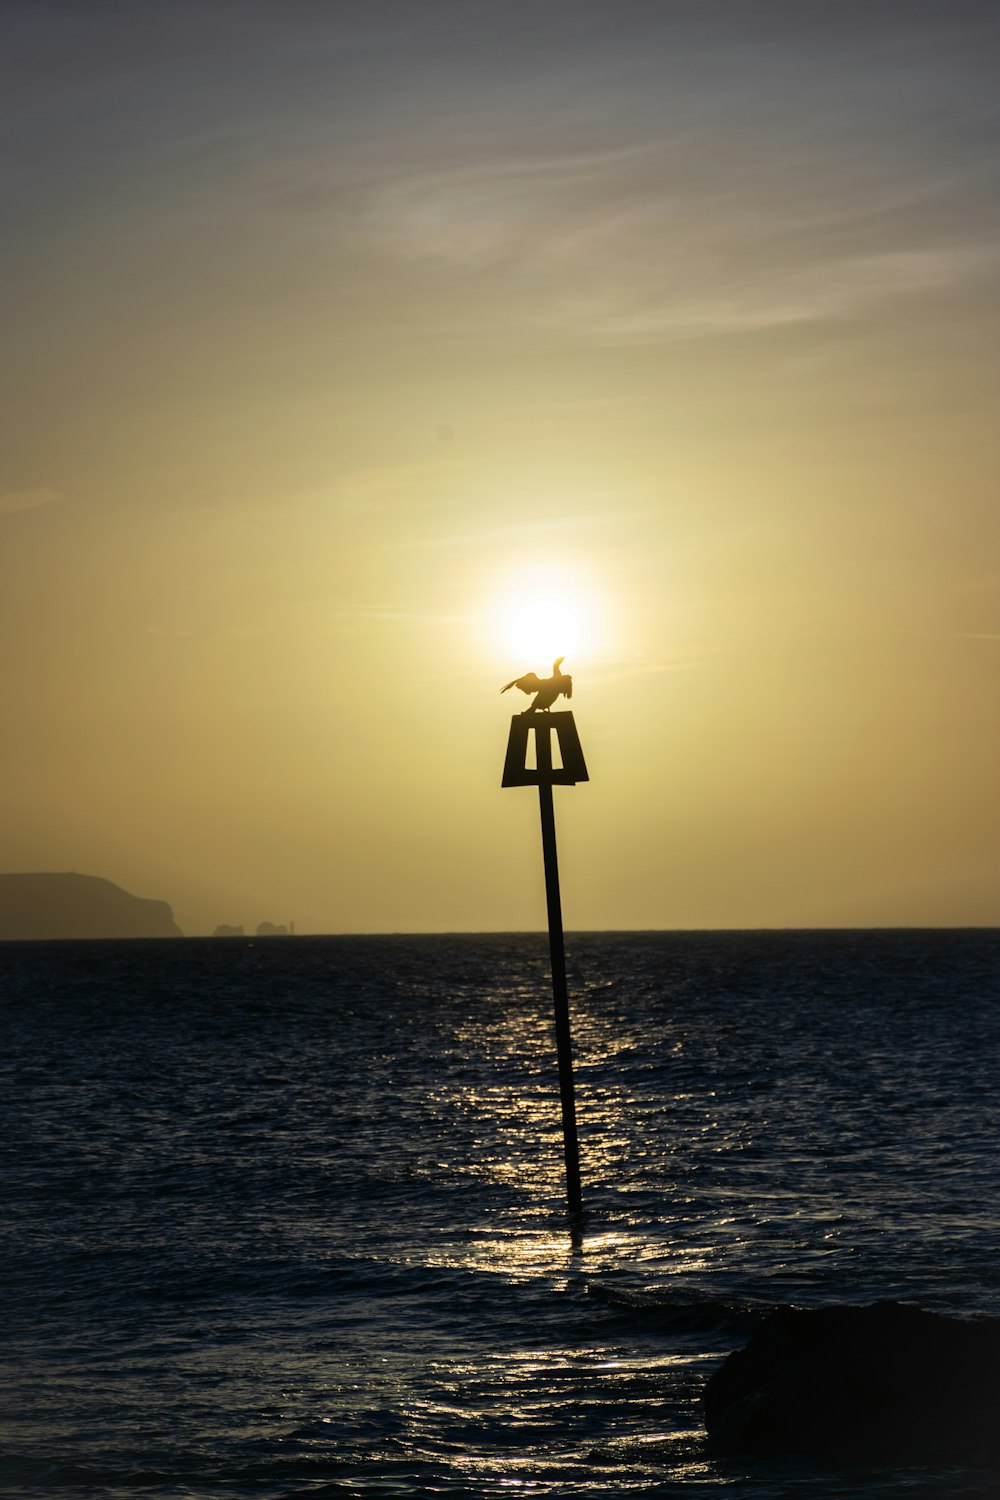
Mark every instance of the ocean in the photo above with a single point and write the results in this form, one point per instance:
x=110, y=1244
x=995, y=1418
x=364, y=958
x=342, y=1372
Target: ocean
x=284, y=1218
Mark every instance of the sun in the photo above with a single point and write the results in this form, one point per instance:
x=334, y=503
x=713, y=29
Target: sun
x=537, y=620
x=533, y=611
x=539, y=628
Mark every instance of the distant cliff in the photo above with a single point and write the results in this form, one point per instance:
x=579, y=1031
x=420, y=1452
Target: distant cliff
x=78, y=906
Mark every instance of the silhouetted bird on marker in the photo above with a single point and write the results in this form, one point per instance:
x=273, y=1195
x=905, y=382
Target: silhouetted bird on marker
x=547, y=688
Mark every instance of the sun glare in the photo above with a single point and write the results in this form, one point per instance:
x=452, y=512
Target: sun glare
x=543, y=619
x=541, y=628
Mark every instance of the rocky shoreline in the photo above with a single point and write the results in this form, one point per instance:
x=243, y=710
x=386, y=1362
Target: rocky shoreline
x=882, y=1384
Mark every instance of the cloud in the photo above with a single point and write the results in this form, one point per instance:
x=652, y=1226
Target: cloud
x=12, y=501
x=684, y=237
x=515, y=534
x=826, y=290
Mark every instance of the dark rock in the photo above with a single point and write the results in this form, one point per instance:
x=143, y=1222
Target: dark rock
x=225, y=930
x=882, y=1384
x=78, y=906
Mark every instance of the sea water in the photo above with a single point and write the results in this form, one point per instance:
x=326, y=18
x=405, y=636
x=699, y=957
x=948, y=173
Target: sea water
x=284, y=1217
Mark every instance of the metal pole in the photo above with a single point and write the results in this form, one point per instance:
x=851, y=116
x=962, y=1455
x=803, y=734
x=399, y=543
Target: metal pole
x=564, y=1045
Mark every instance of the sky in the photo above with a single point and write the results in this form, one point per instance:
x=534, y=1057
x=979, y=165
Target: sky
x=358, y=357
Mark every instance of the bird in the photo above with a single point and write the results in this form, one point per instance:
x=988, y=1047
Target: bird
x=546, y=688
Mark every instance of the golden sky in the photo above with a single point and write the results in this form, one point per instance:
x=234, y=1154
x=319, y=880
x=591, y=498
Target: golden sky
x=333, y=336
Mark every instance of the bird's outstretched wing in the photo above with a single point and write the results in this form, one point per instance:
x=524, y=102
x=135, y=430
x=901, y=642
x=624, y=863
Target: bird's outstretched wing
x=528, y=684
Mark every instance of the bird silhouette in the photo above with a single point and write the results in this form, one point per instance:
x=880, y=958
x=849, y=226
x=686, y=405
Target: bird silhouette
x=546, y=688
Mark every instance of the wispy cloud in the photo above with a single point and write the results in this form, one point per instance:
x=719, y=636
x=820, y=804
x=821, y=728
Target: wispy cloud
x=389, y=615
x=683, y=237
x=616, y=673
x=12, y=501
x=305, y=616
x=513, y=535
x=756, y=299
